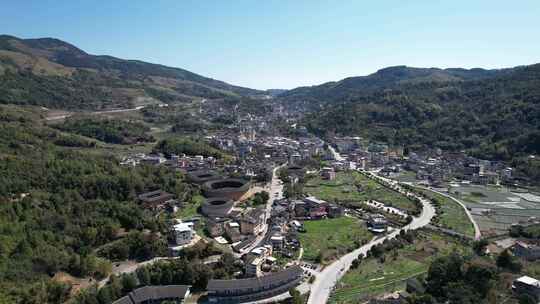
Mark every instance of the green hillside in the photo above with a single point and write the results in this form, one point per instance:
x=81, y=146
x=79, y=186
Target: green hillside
x=52, y=73
x=493, y=118
x=60, y=204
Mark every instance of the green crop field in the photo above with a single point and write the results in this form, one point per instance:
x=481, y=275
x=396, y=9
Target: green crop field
x=326, y=239
x=374, y=277
x=450, y=214
x=353, y=187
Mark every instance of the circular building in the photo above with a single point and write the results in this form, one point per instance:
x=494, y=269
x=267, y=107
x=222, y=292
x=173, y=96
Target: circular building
x=217, y=207
x=231, y=188
x=202, y=176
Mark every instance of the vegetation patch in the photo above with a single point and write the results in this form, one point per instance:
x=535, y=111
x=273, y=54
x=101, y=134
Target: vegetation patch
x=450, y=214
x=388, y=266
x=59, y=205
x=112, y=131
x=327, y=239
x=353, y=187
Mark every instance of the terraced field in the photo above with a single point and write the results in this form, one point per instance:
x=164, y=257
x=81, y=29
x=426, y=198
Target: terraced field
x=374, y=277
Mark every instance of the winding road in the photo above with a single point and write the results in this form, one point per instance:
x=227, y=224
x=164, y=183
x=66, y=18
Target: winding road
x=328, y=278
x=477, y=233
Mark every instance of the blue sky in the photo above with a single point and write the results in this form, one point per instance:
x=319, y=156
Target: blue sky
x=289, y=43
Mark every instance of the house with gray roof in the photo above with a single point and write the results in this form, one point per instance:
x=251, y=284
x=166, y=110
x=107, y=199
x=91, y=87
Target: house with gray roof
x=242, y=290
x=156, y=294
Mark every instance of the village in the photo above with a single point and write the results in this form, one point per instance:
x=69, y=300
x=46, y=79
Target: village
x=263, y=206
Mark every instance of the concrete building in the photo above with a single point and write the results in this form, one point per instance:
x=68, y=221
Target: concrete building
x=316, y=208
x=527, y=285
x=252, y=222
x=216, y=226
x=527, y=250
x=153, y=159
x=183, y=233
x=232, y=229
x=328, y=173
x=277, y=241
x=335, y=211
x=253, y=266
x=300, y=209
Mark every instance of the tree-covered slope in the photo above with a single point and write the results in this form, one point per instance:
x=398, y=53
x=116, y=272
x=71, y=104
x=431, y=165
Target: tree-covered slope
x=59, y=204
x=50, y=72
x=386, y=78
x=494, y=118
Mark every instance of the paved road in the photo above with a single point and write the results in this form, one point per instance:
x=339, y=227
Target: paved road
x=276, y=192
x=337, y=156
x=477, y=233
x=328, y=278
x=66, y=115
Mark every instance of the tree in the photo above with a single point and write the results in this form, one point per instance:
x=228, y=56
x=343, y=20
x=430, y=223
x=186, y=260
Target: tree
x=507, y=261
x=480, y=277
x=526, y=299
x=460, y=293
x=504, y=259
x=104, y=295
x=261, y=198
x=443, y=271
x=115, y=286
x=295, y=295
x=144, y=276
x=480, y=246
x=355, y=263
x=377, y=251
x=421, y=299
x=129, y=282
x=57, y=292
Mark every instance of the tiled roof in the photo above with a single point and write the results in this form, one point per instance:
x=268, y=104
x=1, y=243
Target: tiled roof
x=146, y=293
x=123, y=300
x=155, y=196
x=258, y=283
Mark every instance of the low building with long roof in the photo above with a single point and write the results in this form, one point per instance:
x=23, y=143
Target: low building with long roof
x=242, y=290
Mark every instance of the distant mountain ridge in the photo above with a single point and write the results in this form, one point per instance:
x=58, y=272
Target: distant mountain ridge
x=492, y=114
x=25, y=64
x=386, y=78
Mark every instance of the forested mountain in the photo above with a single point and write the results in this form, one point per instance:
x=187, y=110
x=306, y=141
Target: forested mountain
x=495, y=117
x=390, y=77
x=53, y=73
x=59, y=204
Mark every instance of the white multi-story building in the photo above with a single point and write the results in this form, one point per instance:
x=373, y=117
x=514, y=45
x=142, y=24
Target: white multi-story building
x=183, y=233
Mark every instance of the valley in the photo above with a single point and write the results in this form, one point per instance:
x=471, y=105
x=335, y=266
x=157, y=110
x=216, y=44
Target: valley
x=120, y=175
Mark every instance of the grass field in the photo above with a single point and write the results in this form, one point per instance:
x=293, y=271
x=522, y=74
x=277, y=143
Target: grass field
x=373, y=278
x=190, y=208
x=450, y=214
x=327, y=239
x=354, y=187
